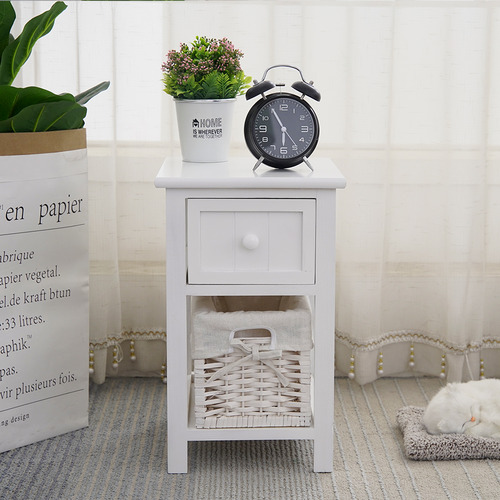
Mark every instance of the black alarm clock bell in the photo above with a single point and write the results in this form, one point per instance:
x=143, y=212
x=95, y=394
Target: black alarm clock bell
x=281, y=129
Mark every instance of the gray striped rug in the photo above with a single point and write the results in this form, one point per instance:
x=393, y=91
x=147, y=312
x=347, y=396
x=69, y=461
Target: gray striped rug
x=122, y=455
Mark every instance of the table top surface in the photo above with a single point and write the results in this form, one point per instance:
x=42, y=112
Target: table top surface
x=239, y=173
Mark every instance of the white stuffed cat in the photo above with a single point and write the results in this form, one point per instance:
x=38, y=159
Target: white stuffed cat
x=467, y=408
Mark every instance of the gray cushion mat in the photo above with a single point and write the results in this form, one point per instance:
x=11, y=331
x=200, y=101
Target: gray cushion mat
x=420, y=445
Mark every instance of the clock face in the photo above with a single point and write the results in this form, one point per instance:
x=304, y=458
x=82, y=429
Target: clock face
x=281, y=129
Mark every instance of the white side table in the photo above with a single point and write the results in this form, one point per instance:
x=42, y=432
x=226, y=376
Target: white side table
x=232, y=231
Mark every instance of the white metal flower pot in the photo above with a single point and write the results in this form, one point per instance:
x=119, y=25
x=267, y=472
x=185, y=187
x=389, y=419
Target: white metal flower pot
x=205, y=128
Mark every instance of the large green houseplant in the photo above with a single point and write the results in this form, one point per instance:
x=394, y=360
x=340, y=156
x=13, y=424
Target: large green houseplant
x=33, y=109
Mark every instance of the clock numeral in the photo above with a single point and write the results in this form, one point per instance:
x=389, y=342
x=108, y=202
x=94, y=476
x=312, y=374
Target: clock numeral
x=265, y=118
x=295, y=147
x=283, y=151
x=302, y=117
x=265, y=139
x=301, y=139
x=304, y=129
x=283, y=107
x=263, y=129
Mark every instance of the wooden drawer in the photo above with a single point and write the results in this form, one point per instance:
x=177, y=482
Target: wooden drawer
x=251, y=241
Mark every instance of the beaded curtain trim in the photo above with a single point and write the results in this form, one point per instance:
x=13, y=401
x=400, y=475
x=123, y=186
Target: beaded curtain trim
x=370, y=345
x=115, y=344
x=415, y=336
x=389, y=338
x=125, y=336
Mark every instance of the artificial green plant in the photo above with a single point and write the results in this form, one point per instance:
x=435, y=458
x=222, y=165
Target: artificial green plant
x=209, y=69
x=33, y=109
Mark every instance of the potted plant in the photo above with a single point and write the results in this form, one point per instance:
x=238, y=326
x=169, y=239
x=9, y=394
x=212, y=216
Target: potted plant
x=204, y=79
x=44, y=243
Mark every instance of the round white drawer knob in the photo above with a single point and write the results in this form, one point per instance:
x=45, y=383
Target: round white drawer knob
x=250, y=241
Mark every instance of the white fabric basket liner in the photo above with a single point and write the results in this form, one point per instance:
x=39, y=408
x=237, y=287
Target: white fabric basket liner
x=214, y=319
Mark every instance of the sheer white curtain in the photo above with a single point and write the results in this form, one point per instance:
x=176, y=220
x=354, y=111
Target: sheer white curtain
x=410, y=112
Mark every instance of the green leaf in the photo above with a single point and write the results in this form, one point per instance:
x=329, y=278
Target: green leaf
x=61, y=115
x=7, y=18
x=85, y=97
x=217, y=85
x=18, y=51
x=13, y=100
x=190, y=90
x=211, y=87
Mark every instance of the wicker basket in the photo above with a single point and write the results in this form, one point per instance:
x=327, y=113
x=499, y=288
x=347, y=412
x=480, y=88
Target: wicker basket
x=255, y=385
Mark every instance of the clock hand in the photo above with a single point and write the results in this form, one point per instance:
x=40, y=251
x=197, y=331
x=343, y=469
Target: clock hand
x=284, y=133
x=277, y=118
x=290, y=137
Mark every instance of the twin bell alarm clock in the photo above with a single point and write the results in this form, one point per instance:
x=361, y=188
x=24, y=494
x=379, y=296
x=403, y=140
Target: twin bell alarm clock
x=282, y=129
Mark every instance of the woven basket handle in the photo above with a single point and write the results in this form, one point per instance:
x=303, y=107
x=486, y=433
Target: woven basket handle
x=255, y=352
x=255, y=332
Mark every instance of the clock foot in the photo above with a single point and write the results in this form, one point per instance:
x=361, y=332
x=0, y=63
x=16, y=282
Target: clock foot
x=306, y=161
x=257, y=165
